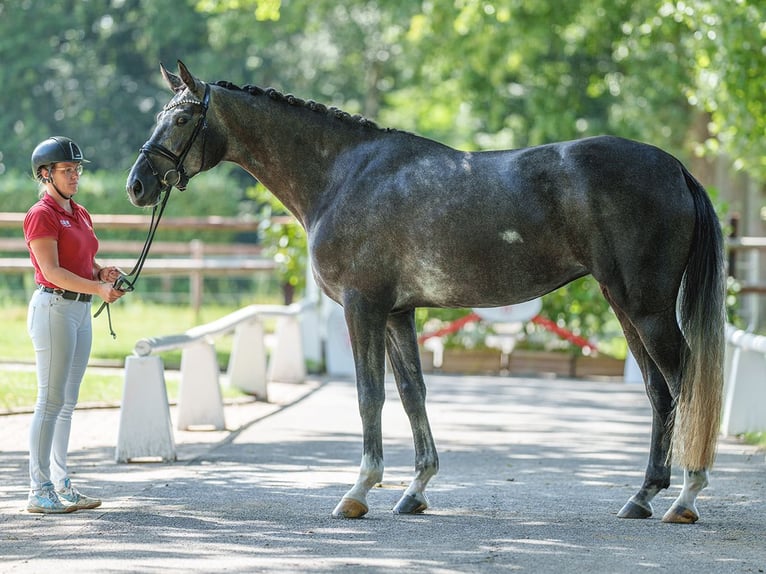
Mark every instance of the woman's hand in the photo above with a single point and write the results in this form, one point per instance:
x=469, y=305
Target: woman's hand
x=108, y=293
x=109, y=274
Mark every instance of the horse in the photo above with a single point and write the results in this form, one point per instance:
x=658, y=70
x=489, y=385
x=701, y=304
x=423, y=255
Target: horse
x=395, y=221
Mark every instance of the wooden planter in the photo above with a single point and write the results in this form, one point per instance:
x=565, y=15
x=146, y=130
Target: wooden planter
x=535, y=363
x=587, y=367
x=522, y=363
x=472, y=361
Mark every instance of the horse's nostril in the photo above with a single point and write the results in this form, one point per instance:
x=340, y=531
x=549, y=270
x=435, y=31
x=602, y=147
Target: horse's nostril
x=136, y=189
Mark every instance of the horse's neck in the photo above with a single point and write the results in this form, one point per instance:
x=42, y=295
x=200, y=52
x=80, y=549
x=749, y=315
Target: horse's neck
x=290, y=149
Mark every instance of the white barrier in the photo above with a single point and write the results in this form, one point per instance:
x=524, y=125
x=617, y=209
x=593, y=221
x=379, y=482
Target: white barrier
x=744, y=408
x=145, y=425
x=145, y=431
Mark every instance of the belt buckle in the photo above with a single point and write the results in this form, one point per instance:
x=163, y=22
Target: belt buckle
x=59, y=292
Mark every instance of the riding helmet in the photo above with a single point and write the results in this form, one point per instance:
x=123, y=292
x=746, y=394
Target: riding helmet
x=54, y=150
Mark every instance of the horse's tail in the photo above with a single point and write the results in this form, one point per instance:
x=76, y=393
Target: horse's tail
x=702, y=317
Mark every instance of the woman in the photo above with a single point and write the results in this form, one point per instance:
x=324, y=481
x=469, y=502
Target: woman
x=62, y=246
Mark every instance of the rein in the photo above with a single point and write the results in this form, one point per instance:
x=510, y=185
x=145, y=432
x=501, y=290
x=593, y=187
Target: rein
x=127, y=282
x=176, y=177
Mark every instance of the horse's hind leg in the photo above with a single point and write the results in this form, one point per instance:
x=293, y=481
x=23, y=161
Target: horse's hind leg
x=657, y=476
x=684, y=509
x=664, y=343
x=403, y=351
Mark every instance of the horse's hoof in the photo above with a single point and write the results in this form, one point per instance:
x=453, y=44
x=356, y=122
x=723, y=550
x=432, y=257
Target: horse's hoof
x=635, y=510
x=681, y=515
x=350, y=508
x=409, y=504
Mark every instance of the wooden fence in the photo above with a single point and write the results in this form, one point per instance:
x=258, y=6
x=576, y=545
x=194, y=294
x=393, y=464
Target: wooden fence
x=194, y=259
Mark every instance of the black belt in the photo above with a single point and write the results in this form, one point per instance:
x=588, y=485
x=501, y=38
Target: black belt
x=71, y=295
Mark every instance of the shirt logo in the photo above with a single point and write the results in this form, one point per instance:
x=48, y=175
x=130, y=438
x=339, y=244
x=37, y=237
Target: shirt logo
x=65, y=223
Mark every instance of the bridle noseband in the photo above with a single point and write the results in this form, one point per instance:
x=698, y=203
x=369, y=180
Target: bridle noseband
x=177, y=176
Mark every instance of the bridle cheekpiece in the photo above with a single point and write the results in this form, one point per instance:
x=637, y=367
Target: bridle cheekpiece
x=177, y=176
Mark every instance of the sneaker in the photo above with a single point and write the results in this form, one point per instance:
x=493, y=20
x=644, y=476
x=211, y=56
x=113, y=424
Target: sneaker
x=46, y=501
x=74, y=499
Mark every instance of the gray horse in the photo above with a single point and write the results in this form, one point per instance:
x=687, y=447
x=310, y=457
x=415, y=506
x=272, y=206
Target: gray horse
x=396, y=221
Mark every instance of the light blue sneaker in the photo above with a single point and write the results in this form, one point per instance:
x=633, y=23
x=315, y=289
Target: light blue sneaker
x=74, y=499
x=46, y=501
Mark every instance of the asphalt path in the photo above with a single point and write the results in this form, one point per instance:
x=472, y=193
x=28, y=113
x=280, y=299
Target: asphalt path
x=533, y=472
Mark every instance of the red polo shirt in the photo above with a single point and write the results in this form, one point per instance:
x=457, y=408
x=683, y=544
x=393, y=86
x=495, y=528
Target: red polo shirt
x=77, y=243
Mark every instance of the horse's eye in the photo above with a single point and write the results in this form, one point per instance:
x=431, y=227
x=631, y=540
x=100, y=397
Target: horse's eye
x=181, y=120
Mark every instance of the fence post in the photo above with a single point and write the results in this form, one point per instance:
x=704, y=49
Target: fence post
x=196, y=280
x=145, y=430
x=199, y=399
x=247, y=364
x=287, y=363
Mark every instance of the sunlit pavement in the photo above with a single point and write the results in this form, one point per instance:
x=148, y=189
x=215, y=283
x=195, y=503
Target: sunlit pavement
x=533, y=472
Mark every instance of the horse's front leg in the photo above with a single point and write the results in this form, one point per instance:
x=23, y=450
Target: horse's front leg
x=366, y=326
x=403, y=351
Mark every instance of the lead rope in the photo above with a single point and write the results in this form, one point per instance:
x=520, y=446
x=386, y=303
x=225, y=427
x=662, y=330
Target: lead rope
x=124, y=282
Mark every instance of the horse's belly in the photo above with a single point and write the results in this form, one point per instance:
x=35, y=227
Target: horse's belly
x=483, y=284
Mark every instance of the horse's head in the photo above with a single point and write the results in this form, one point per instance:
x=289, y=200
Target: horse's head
x=179, y=147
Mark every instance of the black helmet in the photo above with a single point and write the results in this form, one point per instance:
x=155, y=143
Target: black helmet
x=54, y=150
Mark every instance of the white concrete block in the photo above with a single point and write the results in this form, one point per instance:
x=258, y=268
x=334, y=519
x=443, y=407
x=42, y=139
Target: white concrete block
x=247, y=364
x=200, y=405
x=145, y=430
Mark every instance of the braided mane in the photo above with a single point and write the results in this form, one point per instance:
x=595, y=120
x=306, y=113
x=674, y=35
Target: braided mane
x=296, y=101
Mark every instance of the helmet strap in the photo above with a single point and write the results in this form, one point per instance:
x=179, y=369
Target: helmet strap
x=49, y=179
x=65, y=197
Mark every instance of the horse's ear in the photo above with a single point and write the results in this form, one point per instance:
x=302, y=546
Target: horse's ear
x=195, y=86
x=174, y=82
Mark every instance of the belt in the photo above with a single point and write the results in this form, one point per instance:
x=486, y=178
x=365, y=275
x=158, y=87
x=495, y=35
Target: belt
x=71, y=295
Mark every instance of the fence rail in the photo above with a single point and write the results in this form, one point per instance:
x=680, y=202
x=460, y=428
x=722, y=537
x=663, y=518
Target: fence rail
x=745, y=244
x=194, y=259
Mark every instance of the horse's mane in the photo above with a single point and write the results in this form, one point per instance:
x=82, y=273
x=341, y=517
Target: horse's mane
x=296, y=101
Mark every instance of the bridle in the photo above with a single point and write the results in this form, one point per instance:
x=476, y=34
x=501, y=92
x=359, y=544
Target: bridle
x=177, y=177
x=180, y=179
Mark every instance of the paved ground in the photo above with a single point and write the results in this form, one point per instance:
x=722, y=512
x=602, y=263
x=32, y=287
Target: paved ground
x=533, y=472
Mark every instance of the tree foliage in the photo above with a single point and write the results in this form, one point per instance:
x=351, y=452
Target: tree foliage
x=475, y=74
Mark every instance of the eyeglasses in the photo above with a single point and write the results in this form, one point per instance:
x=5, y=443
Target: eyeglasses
x=70, y=171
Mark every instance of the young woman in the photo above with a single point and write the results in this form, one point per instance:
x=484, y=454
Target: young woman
x=62, y=246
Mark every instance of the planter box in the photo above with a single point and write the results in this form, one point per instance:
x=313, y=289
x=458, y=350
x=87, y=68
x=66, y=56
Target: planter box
x=523, y=363
x=471, y=361
x=541, y=362
x=586, y=367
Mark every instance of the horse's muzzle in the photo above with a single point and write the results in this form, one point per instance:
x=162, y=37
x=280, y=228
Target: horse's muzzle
x=140, y=194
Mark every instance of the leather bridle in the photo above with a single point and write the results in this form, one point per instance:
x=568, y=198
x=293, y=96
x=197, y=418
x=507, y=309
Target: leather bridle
x=176, y=177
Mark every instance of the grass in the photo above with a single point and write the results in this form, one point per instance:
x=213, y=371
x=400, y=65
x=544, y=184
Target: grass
x=131, y=320
x=756, y=438
x=18, y=389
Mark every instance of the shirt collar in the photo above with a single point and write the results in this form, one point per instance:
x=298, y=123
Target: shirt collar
x=48, y=200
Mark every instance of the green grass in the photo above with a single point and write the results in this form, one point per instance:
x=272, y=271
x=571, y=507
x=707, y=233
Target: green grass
x=756, y=438
x=131, y=321
x=18, y=389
